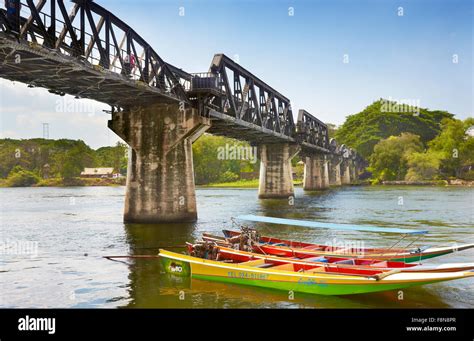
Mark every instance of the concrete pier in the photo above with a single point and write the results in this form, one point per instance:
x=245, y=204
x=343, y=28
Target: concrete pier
x=346, y=177
x=160, y=178
x=335, y=178
x=354, y=175
x=276, y=178
x=325, y=172
x=312, y=178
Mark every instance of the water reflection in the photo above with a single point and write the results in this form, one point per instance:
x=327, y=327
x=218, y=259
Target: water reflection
x=70, y=270
x=147, y=287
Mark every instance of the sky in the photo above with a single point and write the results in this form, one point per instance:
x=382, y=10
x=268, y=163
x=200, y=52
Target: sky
x=331, y=58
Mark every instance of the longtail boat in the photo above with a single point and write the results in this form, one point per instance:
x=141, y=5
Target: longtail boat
x=316, y=280
x=287, y=248
x=339, y=264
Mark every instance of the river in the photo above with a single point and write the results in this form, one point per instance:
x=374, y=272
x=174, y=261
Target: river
x=54, y=239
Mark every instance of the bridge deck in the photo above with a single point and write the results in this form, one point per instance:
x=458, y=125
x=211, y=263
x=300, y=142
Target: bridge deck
x=47, y=68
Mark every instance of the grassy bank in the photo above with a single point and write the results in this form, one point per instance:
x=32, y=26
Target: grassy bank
x=242, y=184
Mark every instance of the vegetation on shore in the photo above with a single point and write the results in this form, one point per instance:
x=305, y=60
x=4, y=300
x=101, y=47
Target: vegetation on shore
x=243, y=184
x=41, y=162
x=417, y=145
x=411, y=145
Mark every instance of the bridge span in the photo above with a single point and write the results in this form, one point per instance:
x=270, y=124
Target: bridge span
x=159, y=110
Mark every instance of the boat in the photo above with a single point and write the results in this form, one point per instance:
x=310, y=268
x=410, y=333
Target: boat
x=287, y=248
x=316, y=280
x=338, y=264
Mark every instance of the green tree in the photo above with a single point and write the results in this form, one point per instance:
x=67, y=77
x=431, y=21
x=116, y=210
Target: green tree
x=69, y=164
x=423, y=166
x=115, y=157
x=214, y=160
x=332, y=130
x=389, y=160
x=383, y=119
x=454, y=145
x=20, y=177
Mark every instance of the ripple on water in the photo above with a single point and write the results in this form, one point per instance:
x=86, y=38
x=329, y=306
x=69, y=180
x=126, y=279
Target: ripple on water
x=62, y=277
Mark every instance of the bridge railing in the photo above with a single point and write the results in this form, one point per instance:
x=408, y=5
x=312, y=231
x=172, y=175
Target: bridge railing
x=96, y=37
x=247, y=98
x=311, y=130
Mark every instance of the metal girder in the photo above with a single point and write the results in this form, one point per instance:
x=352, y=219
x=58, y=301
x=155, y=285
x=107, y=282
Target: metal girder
x=266, y=109
x=89, y=28
x=311, y=130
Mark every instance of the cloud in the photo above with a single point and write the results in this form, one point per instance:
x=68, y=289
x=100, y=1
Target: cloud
x=24, y=110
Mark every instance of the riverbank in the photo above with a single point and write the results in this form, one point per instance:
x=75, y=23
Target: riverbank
x=242, y=184
x=82, y=182
x=74, y=182
x=454, y=182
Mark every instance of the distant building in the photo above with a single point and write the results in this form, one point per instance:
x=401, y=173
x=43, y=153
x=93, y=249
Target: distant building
x=97, y=173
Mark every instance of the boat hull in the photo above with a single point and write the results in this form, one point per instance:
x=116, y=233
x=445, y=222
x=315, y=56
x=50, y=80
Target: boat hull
x=321, y=284
x=295, y=248
x=243, y=256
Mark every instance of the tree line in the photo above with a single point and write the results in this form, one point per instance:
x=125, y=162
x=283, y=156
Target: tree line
x=33, y=161
x=411, y=145
x=414, y=144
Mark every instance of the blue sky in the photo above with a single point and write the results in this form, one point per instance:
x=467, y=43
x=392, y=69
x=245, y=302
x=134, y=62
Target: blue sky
x=390, y=56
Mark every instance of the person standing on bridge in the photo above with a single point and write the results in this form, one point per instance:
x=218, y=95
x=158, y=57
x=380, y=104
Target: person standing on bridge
x=133, y=62
x=128, y=65
x=13, y=14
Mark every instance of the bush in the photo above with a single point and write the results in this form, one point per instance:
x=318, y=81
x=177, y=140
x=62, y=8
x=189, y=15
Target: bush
x=228, y=176
x=19, y=177
x=423, y=166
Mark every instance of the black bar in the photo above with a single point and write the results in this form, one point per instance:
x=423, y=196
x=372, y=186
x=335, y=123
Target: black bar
x=312, y=324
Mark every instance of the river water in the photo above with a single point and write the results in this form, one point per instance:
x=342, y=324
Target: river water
x=53, y=241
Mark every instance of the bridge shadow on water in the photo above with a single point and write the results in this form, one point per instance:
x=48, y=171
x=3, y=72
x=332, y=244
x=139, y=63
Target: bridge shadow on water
x=146, y=281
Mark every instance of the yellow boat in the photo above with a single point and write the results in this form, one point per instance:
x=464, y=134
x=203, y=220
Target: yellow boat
x=283, y=277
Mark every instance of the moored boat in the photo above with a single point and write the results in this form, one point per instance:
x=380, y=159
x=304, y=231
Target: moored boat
x=287, y=248
x=339, y=264
x=315, y=280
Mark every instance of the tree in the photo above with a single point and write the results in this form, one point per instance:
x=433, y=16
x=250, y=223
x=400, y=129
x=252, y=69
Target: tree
x=454, y=145
x=383, y=119
x=332, y=130
x=220, y=159
x=115, y=157
x=389, y=160
x=423, y=166
x=73, y=161
x=19, y=177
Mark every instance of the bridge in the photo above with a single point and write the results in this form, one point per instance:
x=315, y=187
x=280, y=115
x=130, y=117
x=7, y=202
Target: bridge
x=159, y=110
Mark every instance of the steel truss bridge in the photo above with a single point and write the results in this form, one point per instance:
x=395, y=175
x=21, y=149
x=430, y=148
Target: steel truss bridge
x=81, y=50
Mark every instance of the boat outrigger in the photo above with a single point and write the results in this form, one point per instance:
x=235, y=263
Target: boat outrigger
x=315, y=280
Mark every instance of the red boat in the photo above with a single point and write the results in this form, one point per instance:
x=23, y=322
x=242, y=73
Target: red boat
x=288, y=248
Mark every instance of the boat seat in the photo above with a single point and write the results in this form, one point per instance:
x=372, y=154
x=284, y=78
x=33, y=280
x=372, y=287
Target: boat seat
x=287, y=267
x=316, y=259
x=263, y=266
x=346, y=261
x=254, y=263
x=313, y=248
